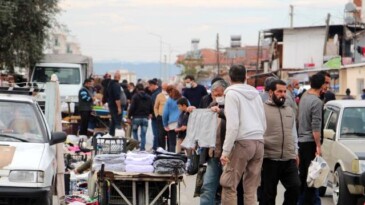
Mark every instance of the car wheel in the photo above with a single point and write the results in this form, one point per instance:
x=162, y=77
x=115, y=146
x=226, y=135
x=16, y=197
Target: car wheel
x=322, y=191
x=341, y=195
x=48, y=198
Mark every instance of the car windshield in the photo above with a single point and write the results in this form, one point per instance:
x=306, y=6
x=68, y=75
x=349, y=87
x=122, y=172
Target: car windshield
x=19, y=122
x=65, y=75
x=352, y=124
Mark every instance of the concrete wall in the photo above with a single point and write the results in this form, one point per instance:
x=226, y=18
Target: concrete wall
x=355, y=81
x=303, y=45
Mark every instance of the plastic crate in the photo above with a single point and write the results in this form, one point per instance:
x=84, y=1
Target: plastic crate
x=109, y=145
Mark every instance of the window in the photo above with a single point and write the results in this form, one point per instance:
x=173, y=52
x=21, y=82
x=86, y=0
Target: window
x=326, y=114
x=332, y=122
x=65, y=75
x=20, y=121
x=352, y=124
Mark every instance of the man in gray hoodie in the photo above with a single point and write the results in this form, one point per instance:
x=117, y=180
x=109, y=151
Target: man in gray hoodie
x=243, y=147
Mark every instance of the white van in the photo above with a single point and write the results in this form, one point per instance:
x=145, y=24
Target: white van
x=27, y=151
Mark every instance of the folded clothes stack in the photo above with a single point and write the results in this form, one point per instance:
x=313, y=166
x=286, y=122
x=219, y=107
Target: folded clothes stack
x=169, y=163
x=112, y=162
x=140, y=162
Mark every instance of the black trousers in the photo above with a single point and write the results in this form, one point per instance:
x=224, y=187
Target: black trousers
x=171, y=140
x=85, y=115
x=161, y=132
x=286, y=172
x=307, y=152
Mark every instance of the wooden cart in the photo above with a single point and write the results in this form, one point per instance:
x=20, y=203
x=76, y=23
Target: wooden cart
x=138, y=189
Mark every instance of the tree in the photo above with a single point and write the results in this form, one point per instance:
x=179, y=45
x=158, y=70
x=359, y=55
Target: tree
x=24, y=26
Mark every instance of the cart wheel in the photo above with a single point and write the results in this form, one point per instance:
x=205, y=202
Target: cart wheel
x=141, y=198
x=173, y=194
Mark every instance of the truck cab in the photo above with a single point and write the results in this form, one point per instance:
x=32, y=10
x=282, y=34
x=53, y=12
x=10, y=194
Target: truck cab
x=28, y=152
x=71, y=71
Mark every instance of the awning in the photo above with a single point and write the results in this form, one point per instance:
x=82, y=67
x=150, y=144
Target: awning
x=272, y=73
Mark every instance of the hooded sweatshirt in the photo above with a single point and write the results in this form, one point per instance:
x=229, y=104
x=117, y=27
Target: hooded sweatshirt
x=141, y=106
x=245, y=115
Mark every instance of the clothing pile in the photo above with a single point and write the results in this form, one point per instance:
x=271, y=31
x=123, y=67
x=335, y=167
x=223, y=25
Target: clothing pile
x=169, y=162
x=112, y=162
x=202, y=126
x=139, y=162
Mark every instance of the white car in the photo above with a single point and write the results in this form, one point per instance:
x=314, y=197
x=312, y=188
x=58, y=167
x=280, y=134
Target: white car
x=27, y=152
x=344, y=149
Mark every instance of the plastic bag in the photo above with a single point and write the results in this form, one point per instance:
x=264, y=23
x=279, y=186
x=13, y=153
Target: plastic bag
x=318, y=173
x=193, y=164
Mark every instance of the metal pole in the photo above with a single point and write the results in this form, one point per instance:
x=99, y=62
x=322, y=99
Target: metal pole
x=258, y=57
x=291, y=15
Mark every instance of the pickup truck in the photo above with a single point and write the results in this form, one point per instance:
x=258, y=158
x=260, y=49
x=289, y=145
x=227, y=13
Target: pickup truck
x=27, y=151
x=344, y=149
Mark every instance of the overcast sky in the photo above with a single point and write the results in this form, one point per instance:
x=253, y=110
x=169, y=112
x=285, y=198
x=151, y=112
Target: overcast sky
x=130, y=30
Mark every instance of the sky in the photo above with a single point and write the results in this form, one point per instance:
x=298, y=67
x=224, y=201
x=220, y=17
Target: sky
x=132, y=30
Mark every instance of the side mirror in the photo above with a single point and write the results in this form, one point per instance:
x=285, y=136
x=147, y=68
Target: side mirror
x=57, y=137
x=329, y=134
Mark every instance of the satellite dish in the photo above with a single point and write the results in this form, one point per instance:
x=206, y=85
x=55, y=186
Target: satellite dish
x=349, y=20
x=350, y=7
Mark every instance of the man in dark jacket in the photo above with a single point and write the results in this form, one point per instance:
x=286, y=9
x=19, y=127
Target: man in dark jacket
x=114, y=104
x=85, y=105
x=140, y=111
x=193, y=91
x=155, y=90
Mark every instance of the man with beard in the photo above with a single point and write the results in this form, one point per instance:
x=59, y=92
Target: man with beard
x=280, y=148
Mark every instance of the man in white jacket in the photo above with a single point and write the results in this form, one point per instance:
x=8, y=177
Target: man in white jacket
x=243, y=148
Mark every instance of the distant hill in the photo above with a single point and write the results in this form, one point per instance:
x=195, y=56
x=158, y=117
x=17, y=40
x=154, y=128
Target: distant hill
x=143, y=70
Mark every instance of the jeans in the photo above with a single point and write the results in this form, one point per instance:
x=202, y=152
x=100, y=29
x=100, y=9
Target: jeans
x=210, y=182
x=286, y=172
x=155, y=133
x=143, y=123
x=116, y=122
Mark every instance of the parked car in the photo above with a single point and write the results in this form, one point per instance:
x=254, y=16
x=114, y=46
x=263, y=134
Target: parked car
x=27, y=151
x=344, y=149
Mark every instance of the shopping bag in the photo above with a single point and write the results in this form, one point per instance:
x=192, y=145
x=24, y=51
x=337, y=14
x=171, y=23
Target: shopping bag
x=318, y=173
x=193, y=164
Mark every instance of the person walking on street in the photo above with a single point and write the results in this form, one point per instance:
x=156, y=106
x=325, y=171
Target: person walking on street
x=265, y=94
x=348, y=95
x=114, y=103
x=363, y=94
x=85, y=105
x=158, y=110
x=310, y=123
x=170, y=116
x=280, y=148
x=139, y=112
x=243, y=147
x=155, y=90
x=193, y=91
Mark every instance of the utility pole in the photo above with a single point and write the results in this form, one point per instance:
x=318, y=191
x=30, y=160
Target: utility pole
x=291, y=14
x=258, y=57
x=218, y=60
x=326, y=34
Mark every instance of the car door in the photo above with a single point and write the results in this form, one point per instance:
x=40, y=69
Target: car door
x=331, y=115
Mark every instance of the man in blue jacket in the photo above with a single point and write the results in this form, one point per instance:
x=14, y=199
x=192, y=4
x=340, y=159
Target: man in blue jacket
x=85, y=105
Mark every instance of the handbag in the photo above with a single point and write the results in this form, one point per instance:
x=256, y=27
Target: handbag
x=193, y=164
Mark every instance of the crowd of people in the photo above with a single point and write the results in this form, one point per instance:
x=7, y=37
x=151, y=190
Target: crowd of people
x=261, y=138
